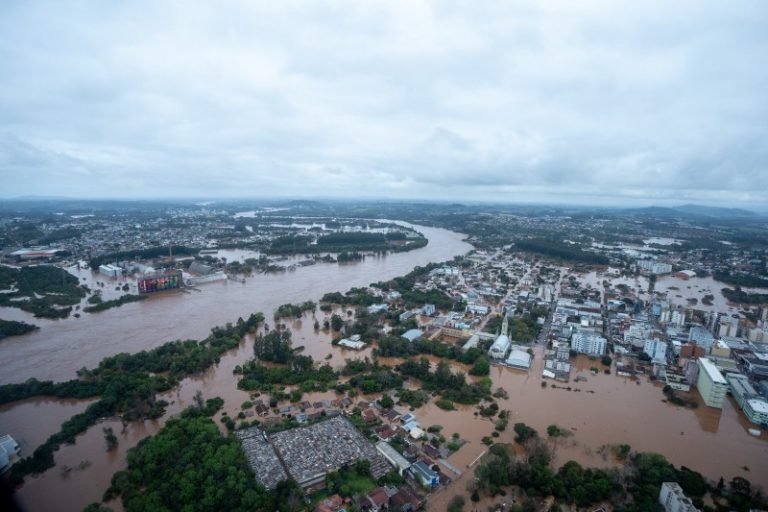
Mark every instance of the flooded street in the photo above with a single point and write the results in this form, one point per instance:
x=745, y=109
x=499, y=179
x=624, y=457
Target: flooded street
x=713, y=442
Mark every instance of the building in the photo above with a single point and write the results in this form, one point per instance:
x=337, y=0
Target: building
x=424, y=474
x=9, y=452
x=428, y=310
x=166, y=281
x=393, y=457
x=354, y=342
x=685, y=274
x=656, y=350
x=755, y=407
x=407, y=315
x=711, y=384
x=691, y=350
x=588, y=343
x=654, y=267
x=519, y=359
x=500, y=347
x=701, y=336
x=672, y=498
x=110, y=270
x=720, y=349
x=377, y=308
x=412, y=335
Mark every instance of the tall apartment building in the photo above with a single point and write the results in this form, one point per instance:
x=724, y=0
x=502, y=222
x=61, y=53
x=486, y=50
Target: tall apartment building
x=588, y=343
x=711, y=384
x=673, y=499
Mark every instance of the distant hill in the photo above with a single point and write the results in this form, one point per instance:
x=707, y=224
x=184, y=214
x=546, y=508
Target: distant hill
x=713, y=211
x=694, y=210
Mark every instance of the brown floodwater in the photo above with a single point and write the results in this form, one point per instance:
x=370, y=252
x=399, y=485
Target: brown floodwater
x=61, y=347
x=711, y=441
x=607, y=409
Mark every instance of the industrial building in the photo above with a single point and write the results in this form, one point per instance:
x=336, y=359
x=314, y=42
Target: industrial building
x=110, y=270
x=711, y=384
x=165, y=281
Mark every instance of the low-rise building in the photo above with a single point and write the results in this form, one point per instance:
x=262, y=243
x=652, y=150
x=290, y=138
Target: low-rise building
x=421, y=471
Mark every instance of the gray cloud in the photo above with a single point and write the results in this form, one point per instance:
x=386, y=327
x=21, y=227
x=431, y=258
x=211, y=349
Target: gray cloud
x=576, y=101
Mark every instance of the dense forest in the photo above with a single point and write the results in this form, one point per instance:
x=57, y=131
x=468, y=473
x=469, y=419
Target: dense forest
x=190, y=466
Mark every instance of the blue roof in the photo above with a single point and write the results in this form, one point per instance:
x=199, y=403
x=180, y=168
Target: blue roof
x=412, y=334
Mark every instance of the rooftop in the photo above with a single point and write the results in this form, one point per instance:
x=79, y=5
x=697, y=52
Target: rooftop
x=712, y=371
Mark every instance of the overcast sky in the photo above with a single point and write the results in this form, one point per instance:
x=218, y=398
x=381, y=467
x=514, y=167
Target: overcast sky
x=557, y=101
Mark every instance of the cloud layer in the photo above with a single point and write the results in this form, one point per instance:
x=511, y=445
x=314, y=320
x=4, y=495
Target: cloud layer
x=593, y=102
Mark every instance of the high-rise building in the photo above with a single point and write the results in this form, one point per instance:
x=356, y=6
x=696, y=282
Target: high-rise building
x=711, y=384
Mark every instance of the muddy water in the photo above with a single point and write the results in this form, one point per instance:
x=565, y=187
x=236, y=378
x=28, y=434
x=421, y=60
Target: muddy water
x=712, y=441
x=59, y=348
x=678, y=291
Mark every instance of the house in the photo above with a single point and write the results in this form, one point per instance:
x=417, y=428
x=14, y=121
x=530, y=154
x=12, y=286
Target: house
x=378, y=499
x=385, y=432
x=377, y=308
x=369, y=416
x=424, y=474
x=392, y=415
x=407, y=418
x=331, y=504
x=416, y=432
x=431, y=451
x=406, y=500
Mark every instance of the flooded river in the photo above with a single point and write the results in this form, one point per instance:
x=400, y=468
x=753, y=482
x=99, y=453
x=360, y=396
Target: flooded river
x=608, y=409
x=62, y=347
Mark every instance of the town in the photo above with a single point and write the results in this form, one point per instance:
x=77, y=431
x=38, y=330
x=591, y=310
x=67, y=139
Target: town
x=406, y=392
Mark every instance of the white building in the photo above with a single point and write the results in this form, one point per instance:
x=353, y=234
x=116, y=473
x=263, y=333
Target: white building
x=519, y=359
x=393, y=456
x=711, y=384
x=500, y=347
x=355, y=343
x=110, y=270
x=673, y=499
x=654, y=267
x=588, y=343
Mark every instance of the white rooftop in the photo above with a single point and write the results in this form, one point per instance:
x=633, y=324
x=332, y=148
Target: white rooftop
x=712, y=371
x=758, y=405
